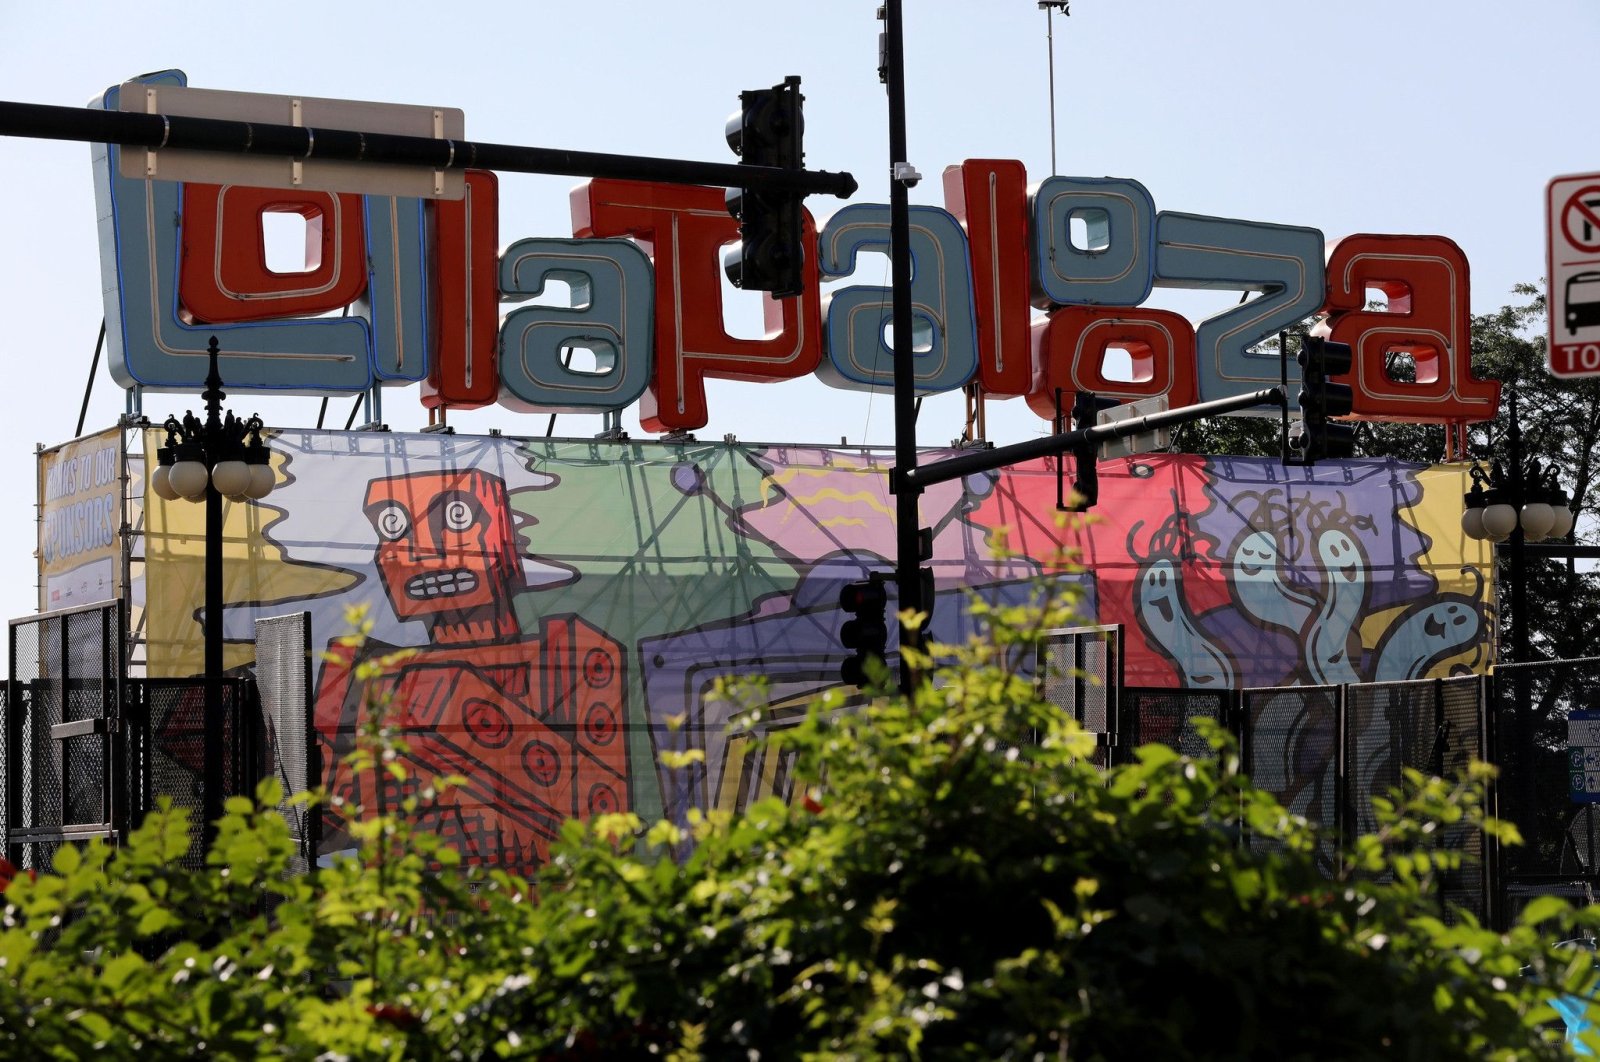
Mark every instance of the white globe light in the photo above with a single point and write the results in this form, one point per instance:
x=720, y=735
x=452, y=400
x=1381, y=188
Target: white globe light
x=161, y=484
x=231, y=478
x=1472, y=524
x=1563, y=523
x=1537, y=520
x=1499, y=520
x=261, y=481
x=189, y=479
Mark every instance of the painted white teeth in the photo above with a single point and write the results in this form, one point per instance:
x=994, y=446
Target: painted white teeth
x=442, y=584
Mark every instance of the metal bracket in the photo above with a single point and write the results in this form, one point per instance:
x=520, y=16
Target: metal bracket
x=296, y=166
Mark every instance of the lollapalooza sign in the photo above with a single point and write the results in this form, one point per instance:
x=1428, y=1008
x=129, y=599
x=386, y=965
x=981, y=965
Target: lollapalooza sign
x=400, y=291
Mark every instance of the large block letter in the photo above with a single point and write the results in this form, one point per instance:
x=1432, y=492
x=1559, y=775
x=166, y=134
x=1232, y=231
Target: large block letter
x=1282, y=262
x=1116, y=264
x=149, y=344
x=1428, y=324
x=684, y=229
x=1070, y=347
x=609, y=315
x=224, y=277
x=466, y=237
x=396, y=302
x=945, y=329
x=990, y=199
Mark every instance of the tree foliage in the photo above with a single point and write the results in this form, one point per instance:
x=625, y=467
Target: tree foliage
x=956, y=878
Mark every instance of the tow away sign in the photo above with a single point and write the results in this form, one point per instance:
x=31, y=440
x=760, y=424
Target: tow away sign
x=1572, y=228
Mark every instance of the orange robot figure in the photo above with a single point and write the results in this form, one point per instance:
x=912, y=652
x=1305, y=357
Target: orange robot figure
x=533, y=723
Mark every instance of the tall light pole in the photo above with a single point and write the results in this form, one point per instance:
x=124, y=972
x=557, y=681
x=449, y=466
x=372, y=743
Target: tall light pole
x=222, y=456
x=1524, y=505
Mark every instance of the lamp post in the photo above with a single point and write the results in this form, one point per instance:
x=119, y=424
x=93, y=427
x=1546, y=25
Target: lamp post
x=222, y=456
x=1523, y=505
x=1526, y=504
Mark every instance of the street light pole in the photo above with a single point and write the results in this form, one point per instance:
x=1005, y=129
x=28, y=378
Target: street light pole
x=1526, y=504
x=215, y=717
x=1518, y=543
x=222, y=456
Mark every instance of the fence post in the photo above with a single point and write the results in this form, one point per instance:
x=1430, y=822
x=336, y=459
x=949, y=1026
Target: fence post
x=1344, y=812
x=17, y=707
x=1440, y=734
x=1489, y=749
x=117, y=740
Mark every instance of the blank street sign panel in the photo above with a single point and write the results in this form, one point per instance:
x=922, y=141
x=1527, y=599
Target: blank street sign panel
x=323, y=175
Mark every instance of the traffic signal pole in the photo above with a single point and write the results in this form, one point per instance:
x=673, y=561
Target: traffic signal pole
x=180, y=132
x=907, y=490
x=988, y=460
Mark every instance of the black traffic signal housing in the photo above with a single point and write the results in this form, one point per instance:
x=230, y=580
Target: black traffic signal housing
x=866, y=632
x=767, y=131
x=1320, y=399
x=1086, y=409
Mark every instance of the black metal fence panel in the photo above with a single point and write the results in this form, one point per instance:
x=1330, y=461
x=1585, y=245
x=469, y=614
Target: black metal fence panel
x=61, y=779
x=1081, y=673
x=170, y=717
x=85, y=752
x=1560, y=853
x=1167, y=717
x=1324, y=752
x=1290, y=740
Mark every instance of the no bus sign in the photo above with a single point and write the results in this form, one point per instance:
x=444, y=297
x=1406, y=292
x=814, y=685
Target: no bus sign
x=1572, y=216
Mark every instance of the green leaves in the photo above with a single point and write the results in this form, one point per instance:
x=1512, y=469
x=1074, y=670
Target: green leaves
x=953, y=878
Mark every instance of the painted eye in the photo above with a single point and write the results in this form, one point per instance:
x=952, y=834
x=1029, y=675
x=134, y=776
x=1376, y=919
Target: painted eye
x=392, y=522
x=458, y=515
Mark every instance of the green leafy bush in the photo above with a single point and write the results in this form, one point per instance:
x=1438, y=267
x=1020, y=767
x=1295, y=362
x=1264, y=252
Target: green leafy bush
x=955, y=879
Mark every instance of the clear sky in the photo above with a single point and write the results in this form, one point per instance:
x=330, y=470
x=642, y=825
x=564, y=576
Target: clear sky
x=1347, y=116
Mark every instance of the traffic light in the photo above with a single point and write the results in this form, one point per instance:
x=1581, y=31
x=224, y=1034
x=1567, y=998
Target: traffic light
x=1086, y=409
x=866, y=633
x=767, y=131
x=1321, y=399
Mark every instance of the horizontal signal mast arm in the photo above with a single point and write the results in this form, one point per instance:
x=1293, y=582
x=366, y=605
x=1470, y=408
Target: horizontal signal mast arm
x=179, y=132
x=1001, y=456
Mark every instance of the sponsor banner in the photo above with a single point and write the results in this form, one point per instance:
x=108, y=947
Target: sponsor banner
x=80, y=515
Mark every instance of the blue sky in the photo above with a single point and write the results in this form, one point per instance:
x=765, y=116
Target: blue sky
x=1349, y=116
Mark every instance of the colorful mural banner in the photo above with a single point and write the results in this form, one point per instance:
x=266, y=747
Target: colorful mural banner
x=80, y=517
x=571, y=606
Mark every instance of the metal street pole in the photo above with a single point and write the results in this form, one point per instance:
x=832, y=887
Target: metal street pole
x=1520, y=640
x=1519, y=617
x=1000, y=456
x=214, y=720
x=180, y=132
x=206, y=461
x=908, y=553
